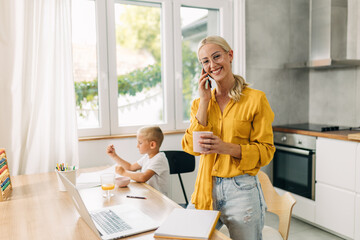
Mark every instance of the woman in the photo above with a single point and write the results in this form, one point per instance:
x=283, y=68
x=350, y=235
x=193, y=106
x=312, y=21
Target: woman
x=242, y=141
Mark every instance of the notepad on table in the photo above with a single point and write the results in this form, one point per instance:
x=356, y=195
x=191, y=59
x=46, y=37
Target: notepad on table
x=188, y=224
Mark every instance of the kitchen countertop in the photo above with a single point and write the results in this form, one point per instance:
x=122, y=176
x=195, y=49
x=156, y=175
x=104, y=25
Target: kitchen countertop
x=339, y=135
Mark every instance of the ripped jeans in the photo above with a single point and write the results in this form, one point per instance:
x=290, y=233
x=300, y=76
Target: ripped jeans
x=241, y=203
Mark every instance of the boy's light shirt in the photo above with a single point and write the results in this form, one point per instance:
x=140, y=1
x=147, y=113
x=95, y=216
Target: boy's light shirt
x=159, y=164
x=247, y=123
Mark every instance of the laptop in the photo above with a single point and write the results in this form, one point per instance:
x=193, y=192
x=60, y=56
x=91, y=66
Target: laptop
x=111, y=222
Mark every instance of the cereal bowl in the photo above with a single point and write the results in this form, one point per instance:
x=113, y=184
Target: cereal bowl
x=122, y=181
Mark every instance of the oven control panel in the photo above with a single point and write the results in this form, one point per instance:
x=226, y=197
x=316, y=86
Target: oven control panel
x=295, y=140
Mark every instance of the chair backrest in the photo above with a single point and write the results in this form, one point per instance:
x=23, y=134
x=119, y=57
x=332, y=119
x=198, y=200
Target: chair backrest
x=280, y=205
x=180, y=161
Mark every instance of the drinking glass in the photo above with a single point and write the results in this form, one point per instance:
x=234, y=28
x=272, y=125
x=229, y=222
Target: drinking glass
x=108, y=184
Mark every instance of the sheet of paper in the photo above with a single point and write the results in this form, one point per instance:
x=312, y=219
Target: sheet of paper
x=92, y=179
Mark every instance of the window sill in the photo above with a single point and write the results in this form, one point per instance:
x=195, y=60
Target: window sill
x=82, y=139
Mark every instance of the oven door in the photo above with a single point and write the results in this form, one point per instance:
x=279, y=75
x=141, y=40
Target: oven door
x=294, y=171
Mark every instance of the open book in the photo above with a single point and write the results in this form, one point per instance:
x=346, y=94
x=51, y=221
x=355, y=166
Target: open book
x=188, y=224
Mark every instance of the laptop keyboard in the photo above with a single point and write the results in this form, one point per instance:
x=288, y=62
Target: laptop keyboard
x=110, y=222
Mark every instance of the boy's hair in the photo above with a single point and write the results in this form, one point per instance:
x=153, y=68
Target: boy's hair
x=152, y=133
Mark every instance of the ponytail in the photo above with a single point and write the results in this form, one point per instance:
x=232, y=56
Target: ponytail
x=236, y=91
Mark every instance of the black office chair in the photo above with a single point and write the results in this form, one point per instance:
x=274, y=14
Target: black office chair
x=180, y=162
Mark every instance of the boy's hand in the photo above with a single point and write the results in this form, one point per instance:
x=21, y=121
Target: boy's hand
x=110, y=150
x=119, y=170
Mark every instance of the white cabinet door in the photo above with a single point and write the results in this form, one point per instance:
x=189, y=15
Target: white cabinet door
x=335, y=209
x=335, y=162
x=357, y=217
x=358, y=169
x=303, y=209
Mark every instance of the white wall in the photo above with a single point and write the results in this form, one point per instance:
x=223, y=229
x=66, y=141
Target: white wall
x=93, y=153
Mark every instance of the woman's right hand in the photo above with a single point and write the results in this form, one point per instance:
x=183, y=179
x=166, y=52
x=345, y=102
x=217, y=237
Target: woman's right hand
x=205, y=94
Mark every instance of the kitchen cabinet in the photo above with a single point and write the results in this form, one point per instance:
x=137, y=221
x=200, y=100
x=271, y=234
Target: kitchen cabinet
x=358, y=169
x=335, y=162
x=357, y=201
x=303, y=209
x=357, y=217
x=337, y=176
x=335, y=209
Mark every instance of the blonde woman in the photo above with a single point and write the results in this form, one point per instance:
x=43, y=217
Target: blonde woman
x=242, y=141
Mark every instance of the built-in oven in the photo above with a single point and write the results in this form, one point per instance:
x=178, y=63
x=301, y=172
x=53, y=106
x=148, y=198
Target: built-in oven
x=294, y=163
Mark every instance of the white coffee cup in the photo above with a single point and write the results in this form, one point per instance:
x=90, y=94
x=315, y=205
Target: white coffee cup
x=196, y=138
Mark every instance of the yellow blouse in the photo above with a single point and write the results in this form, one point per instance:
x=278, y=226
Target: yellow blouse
x=248, y=123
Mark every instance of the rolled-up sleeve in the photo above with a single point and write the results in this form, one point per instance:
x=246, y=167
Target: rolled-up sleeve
x=260, y=150
x=187, y=140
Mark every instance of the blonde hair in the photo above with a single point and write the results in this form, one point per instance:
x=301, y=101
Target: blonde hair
x=240, y=83
x=152, y=133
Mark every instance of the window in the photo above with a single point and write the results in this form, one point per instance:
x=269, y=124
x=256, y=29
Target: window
x=135, y=62
x=90, y=66
x=196, y=23
x=85, y=65
x=138, y=58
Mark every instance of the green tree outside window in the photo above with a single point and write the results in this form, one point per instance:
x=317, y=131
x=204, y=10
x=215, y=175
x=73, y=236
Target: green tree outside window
x=150, y=76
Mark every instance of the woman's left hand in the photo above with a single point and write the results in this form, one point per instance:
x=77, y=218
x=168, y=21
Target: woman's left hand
x=214, y=144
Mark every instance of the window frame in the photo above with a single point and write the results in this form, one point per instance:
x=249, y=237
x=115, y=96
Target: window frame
x=102, y=65
x=171, y=52
x=226, y=32
x=166, y=68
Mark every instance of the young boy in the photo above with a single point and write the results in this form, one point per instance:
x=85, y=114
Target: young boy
x=153, y=166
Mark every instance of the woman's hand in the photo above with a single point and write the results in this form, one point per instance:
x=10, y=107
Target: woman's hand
x=205, y=96
x=214, y=144
x=204, y=93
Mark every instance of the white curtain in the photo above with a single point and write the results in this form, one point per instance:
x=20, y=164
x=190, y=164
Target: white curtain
x=37, y=112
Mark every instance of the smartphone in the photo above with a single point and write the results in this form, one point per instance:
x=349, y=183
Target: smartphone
x=208, y=82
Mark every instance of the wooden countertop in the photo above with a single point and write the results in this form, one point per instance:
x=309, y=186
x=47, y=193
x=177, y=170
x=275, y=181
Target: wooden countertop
x=339, y=135
x=37, y=210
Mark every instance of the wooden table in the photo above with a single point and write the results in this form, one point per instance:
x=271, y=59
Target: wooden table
x=37, y=210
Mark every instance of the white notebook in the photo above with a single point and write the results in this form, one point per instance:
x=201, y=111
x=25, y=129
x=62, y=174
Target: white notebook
x=188, y=224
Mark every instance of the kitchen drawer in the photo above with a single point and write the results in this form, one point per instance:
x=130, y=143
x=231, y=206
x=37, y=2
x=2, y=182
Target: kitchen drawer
x=304, y=207
x=335, y=209
x=357, y=217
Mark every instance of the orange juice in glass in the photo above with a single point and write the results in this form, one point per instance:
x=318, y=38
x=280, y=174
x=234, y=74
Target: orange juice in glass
x=107, y=184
